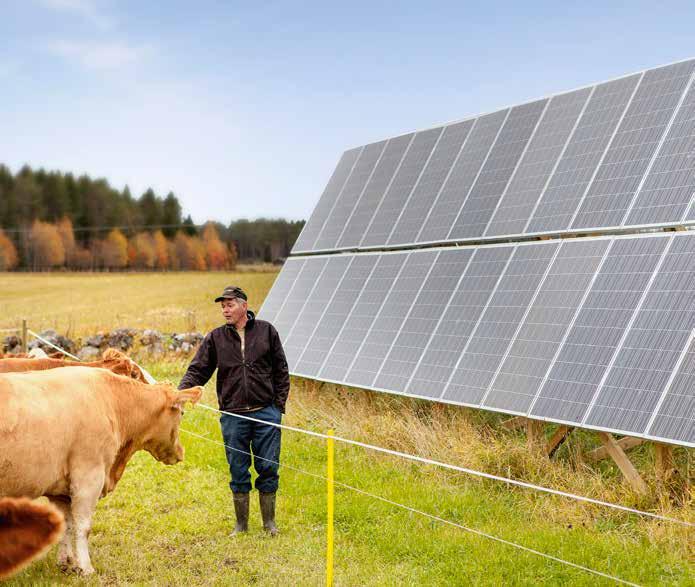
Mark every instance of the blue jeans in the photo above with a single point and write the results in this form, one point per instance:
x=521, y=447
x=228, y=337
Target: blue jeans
x=242, y=437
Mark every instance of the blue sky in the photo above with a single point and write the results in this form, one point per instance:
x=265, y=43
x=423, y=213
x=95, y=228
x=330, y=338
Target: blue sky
x=243, y=108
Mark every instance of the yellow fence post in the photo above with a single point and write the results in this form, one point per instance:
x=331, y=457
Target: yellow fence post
x=329, y=508
x=25, y=336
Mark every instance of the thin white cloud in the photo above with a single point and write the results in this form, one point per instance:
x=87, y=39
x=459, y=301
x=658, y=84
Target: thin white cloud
x=99, y=55
x=87, y=9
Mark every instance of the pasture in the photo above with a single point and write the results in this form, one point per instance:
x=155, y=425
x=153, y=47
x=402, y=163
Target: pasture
x=170, y=525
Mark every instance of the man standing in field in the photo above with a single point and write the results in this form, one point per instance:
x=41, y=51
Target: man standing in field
x=252, y=380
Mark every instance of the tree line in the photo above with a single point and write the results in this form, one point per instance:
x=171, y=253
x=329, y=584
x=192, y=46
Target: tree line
x=54, y=219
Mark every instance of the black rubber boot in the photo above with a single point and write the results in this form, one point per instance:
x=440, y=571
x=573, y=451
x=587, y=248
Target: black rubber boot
x=267, y=501
x=241, y=509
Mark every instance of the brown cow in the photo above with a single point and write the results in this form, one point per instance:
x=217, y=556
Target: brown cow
x=27, y=530
x=69, y=433
x=112, y=359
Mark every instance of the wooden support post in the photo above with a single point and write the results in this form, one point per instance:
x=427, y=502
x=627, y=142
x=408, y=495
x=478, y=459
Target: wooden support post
x=663, y=461
x=534, y=433
x=556, y=440
x=626, y=467
x=626, y=443
x=25, y=336
x=514, y=423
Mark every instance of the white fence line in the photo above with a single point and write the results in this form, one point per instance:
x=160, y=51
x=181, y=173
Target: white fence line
x=433, y=462
x=459, y=469
x=425, y=514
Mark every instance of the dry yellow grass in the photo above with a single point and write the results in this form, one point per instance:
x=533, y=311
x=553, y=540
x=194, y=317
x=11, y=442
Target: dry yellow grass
x=80, y=304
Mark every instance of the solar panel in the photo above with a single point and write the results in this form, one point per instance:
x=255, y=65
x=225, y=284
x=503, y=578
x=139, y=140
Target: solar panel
x=392, y=315
x=296, y=296
x=430, y=182
x=357, y=325
x=314, y=304
x=653, y=344
x=594, y=332
x=674, y=418
x=597, y=331
x=422, y=320
x=583, y=155
x=650, y=112
x=460, y=317
x=539, y=162
x=281, y=288
x=477, y=365
x=542, y=334
x=349, y=196
x=670, y=183
x=497, y=170
x=311, y=230
x=612, y=155
x=335, y=315
x=378, y=185
x=405, y=179
x=464, y=172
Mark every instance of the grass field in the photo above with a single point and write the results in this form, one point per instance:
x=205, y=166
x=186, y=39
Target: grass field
x=170, y=525
x=80, y=304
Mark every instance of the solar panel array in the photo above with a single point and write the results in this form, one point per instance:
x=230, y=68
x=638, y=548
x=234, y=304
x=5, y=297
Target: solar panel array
x=612, y=156
x=594, y=332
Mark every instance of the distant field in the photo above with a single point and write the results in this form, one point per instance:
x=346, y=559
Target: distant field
x=83, y=303
x=170, y=525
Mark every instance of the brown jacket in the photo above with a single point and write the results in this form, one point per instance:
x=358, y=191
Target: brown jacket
x=257, y=379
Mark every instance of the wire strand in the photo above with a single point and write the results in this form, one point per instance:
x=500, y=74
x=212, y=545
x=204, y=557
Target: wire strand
x=432, y=461
x=459, y=469
x=426, y=514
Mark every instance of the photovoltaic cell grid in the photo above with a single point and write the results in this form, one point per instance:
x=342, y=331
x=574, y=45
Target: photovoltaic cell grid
x=594, y=332
x=615, y=155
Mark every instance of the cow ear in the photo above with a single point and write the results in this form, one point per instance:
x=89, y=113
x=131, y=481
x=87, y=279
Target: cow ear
x=121, y=368
x=192, y=395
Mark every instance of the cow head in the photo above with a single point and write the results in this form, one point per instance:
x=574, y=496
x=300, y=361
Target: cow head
x=163, y=438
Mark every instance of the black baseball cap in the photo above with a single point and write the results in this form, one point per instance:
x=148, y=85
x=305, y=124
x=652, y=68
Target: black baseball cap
x=230, y=292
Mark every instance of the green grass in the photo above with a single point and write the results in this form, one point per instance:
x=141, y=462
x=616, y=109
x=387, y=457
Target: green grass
x=170, y=525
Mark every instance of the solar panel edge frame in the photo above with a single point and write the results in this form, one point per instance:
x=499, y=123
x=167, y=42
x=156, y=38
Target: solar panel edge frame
x=627, y=330
x=518, y=164
x=500, y=411
x=655, y=155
